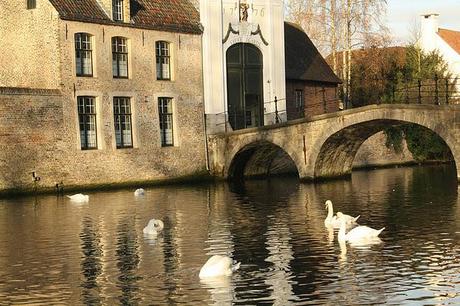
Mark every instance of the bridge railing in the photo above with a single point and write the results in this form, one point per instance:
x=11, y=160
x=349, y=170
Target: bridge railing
x=236, y=120
x=436, y=90
x=362, y=92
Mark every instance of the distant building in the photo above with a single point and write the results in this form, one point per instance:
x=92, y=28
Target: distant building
x=311, y=85
x=259, y=70
x=446, y=42
x=97, y=92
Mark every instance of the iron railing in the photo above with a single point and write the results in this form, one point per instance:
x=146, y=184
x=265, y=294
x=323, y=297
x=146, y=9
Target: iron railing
x=434, y=90
x=362, y=92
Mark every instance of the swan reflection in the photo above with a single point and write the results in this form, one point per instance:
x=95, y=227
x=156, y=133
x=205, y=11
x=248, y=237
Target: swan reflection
x=221, y=289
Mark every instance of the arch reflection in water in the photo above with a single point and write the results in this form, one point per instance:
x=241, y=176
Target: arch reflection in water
x=273, y=227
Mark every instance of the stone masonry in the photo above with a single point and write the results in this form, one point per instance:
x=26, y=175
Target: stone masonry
x=326, y=145
x=38, y=103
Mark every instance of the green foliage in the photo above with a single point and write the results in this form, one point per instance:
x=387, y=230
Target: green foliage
x=425, y=144
x=394, y=138
x=421, y=65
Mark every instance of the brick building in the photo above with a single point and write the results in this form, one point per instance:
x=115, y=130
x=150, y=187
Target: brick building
x=311, y=85
x=100, y=92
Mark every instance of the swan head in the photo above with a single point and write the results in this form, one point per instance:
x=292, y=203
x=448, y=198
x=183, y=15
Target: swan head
x=158, y=225
x=153, y=227
x=328, y=204
x=340, y=216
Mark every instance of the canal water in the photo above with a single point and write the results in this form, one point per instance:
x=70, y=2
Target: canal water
x=53, y=251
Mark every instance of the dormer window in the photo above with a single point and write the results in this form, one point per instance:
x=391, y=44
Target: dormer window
x=117, y=9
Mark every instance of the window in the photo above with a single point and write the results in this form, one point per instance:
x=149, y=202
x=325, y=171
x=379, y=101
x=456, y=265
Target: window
x=163, y=60
x=299, y=101
x=119, y=57
x=83, y=54
x=87, y=120
x=123, y=126
x=166, y=121
x=31, y=4
x=117, y=9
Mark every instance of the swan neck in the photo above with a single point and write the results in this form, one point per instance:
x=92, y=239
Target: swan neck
x=330, y=211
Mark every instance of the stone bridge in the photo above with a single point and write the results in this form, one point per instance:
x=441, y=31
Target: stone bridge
x=323, y=146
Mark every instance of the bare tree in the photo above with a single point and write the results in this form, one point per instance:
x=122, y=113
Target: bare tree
x=341, y=25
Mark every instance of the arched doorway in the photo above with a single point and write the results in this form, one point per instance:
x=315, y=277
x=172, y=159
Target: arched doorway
x=244, y=86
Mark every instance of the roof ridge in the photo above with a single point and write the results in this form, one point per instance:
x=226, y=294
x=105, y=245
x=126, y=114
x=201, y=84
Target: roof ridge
x=450, y=37
x=444, y=29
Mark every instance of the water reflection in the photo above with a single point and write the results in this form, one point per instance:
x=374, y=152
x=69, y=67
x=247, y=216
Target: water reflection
x=91, y=265
x=279, y=247
x=127, y=262
x=59, y=253
x=221, y=289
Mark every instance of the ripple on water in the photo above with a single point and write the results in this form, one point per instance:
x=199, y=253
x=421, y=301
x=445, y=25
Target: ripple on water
x=54, y=252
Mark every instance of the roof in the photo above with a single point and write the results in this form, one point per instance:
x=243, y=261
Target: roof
x=162, y=15
x=452, y=38
x=303, y=60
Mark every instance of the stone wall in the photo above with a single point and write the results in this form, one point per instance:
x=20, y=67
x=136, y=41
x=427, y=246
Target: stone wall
x=31, y=136
x=30, y=52
x=40, y=128
x=374, y=153
x=34, y=138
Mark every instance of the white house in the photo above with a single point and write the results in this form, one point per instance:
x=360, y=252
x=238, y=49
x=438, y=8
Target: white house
x=447, y=42
x=243, y=62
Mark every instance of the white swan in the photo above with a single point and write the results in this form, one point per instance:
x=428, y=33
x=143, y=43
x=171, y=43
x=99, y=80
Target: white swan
x=79, y=198
x=334, y=221
x=139, y=192
x=218, y=265
x=358, y=234
x=153, y=227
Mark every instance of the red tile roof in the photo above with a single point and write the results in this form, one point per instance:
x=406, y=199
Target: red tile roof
x=163, y=15
x=452, y=38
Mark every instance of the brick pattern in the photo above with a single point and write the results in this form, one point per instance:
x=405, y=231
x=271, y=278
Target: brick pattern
x=319, y=98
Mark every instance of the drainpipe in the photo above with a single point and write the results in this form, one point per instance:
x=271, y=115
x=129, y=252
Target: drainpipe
x=224, y=60
x=205, y=130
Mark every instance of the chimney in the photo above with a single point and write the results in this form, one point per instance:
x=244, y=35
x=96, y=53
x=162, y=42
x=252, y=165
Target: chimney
x=429, y=23
x=428, y=32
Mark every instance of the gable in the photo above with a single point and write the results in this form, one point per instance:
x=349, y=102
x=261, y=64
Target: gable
x=303, y=60
x=162, y=15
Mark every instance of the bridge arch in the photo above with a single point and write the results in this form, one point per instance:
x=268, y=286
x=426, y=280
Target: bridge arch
x=325, y=145
x=260, y=158
x=335, y=156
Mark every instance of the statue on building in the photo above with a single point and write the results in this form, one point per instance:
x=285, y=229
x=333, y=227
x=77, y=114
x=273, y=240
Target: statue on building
x=244, y=7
